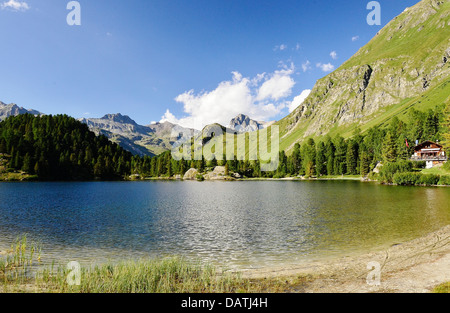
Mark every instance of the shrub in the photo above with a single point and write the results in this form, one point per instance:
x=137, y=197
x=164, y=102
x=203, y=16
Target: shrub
x=416, y=179
x=406, y=178
x=388, y=170
x=445, y=180
x=420, y=164
x=429, y=179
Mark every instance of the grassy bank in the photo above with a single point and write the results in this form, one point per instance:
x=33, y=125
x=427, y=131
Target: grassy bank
x=21, y=271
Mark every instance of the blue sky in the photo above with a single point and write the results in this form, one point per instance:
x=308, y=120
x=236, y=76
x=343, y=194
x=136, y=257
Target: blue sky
x=189, y=61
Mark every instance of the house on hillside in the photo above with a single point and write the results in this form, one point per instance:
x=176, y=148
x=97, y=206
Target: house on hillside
x=430, y=152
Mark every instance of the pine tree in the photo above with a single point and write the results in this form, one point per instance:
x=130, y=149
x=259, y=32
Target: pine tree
x=389, y=148
x=340, y=165
x=308, y=155
x=296, y=159
x=364, y=163
x=329, y=155
x=352, y=158
x=28, y=165
x=320, y=160
x=169, y=168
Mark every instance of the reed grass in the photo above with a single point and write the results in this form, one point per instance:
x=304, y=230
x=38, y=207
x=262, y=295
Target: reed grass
x=16, y=265
x=168, y=275
x=171, y=275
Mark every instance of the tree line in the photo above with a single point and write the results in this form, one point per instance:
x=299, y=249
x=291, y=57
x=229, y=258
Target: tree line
x=62, y=148
x=357, y=155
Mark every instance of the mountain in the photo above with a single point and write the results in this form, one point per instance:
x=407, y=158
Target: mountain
x=140, y=140
x=243, y=124
x=7, y=110
x=406, y=65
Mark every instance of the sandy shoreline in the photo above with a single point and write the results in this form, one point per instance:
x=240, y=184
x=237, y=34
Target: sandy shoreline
x=416, y=266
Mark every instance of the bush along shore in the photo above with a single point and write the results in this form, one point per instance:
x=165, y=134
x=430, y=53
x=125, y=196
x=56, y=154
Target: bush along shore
x=403, y=173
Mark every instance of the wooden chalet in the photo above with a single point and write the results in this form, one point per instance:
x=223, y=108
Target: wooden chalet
x=431, y=152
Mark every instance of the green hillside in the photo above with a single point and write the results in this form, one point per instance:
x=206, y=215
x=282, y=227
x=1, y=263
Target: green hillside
x=404, y=66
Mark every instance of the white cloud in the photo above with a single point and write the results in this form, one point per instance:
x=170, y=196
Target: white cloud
x=298, y=47
x=355, y=38
x=168, y=117
x=299, y=100
x=281, y=47
x=325, y=67
x=333, y=55
x=306, y=66
x=262, y=98
x=15, y=5
x=278, y=86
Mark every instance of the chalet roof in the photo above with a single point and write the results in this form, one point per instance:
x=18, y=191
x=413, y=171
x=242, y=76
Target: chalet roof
x=427, y=144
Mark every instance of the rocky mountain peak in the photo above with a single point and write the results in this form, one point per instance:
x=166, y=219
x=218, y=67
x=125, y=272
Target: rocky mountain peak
x=243, y=123
x=12, y=109
x=119, y=118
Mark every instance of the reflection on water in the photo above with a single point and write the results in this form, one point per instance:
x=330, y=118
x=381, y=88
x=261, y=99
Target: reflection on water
x=243, y=224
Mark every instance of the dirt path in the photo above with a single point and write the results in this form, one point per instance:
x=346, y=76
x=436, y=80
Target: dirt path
x=412, y=267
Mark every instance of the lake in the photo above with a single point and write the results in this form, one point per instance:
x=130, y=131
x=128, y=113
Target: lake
x=243, y=224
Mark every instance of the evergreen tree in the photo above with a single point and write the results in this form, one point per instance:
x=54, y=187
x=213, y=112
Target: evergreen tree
x=321, y=168
x=308, y=156
x=351, y=158
x=296, y=159
x=364, y=167
x=329, y=155
x=340, y=166
x=389, y=148
x=28, y=165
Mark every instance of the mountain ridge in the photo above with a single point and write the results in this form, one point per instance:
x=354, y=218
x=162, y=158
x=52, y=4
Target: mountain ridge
x=12, y=109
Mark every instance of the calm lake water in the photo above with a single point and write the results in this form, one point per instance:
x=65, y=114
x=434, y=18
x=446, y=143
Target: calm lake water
x=238, y=224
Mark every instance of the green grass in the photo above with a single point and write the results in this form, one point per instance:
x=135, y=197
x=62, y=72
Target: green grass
x=16, y=265
x=439, y=170
x=442, y=288
x=22, y=271
x=171, y=275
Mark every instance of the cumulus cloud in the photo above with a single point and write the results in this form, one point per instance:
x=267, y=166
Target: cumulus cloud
x=262, y=98
x=355, y=38
x=277, y=86
x=15, y=5
x=325, y=67
x=333, y=55
x=299, y=100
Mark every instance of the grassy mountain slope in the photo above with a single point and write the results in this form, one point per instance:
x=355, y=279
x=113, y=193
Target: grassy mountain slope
x=406, y=65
